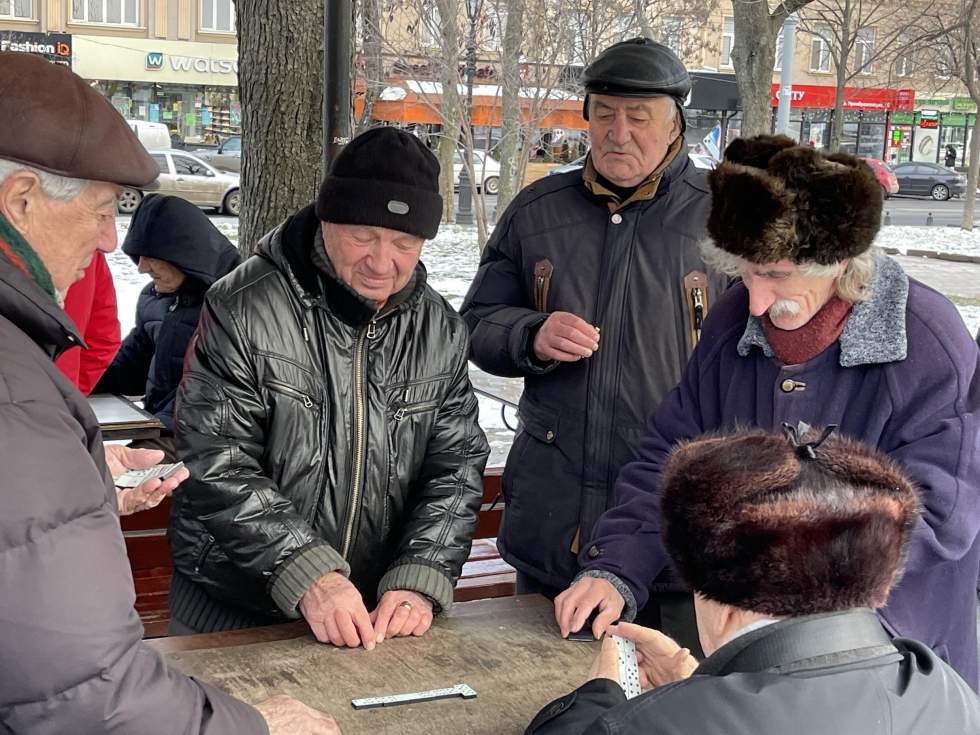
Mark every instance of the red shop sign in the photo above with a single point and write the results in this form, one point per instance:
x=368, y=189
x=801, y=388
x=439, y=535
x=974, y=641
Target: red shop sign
x=855, y=98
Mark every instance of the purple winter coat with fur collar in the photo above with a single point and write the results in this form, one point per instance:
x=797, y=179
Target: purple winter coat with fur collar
x=903, y=377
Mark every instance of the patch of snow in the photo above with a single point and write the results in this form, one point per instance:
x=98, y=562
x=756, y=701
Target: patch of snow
x=939, y=239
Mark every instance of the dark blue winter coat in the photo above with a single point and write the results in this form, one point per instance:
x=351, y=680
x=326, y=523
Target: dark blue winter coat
x=903, y=377
x=151, y=358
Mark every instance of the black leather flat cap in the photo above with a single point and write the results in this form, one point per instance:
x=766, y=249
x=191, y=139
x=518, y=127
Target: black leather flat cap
x=639, y=67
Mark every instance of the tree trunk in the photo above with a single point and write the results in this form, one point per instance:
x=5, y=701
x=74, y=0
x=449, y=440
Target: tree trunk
x=374, y=81
x=449, y=11
x=639, y=8
x=755, y=41
x=970, y=195
x=841, y=57
x=280, y=81
x=510, y=128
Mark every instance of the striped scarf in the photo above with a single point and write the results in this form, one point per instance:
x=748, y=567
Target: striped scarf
x=22, y=256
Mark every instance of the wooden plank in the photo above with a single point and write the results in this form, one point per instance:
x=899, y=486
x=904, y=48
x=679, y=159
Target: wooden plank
x=508, y=650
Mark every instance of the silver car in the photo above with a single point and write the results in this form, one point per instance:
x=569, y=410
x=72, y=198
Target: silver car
x=226, y=157
x=187, y=176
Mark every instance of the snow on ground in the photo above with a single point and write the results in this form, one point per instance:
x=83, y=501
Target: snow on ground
x=452, y=257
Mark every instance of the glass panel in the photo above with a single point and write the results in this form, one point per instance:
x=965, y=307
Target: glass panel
x=78, y=9
x=161, y=162
x=94, y=11
x=233, y=144
x=22, y=8
x=223, y=21
x=132, y=11
x=4, y=7
x=113, y=11
x=207, y=14
x=184, y=166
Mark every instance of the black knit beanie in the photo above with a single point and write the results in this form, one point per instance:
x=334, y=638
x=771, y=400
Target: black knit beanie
x=384, y=177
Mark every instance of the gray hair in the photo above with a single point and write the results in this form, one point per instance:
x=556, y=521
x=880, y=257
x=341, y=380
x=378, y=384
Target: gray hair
x=57, y=187
x=852, y=285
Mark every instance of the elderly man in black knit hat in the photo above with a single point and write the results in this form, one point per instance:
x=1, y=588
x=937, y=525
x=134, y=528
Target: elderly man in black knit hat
x=790, y=544
x=827, y=330
x=328, y=420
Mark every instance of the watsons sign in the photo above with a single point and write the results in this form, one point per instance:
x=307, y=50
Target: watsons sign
x=155, y=61
x=54, y=47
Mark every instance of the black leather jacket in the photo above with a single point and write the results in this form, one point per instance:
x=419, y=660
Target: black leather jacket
x=321, y=436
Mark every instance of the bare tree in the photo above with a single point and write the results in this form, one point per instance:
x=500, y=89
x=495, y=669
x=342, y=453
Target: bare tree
x=510, y=122
x=372, y=64
x=756, y=28
x=281, y=88
x=856, y=35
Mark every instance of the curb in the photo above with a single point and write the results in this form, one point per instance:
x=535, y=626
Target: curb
x=934, y=254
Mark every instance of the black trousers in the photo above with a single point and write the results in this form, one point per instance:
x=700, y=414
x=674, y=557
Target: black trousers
x=672, y=613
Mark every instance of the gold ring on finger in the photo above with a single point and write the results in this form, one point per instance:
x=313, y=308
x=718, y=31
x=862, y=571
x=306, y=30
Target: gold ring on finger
x=406, y=604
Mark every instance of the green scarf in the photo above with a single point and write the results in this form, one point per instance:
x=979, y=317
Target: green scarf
x=22, y=256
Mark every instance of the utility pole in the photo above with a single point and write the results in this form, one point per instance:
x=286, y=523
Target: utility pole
x=464, y=210
x=338, y=21
x=786, y=76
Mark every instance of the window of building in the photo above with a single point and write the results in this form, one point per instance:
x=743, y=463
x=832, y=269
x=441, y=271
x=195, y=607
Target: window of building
x=820, y=48
x=904, y=66
x=498, y=26
x=15, y=9
x=218, y=16
x=622, y=27
x=727, y=41
x=671, y=33
x=864, y=50
x=430, y=25
x=110, y=12
x=777, y=64
x=944, y=63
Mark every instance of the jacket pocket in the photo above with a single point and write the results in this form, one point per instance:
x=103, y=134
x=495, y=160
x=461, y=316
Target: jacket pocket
x=696, y=297
x=308, y=400
x=542, y=283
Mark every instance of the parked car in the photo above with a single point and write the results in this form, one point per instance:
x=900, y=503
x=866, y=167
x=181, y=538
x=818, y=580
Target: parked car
x=885, y=175
x=483, y=166
x=152, y=135
x=929, y=179
x=698, y=159
x=187, y=176
x=226, y=157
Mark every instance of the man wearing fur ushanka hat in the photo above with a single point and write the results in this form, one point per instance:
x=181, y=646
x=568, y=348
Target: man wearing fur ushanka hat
x=825, y=329
x=789, y=543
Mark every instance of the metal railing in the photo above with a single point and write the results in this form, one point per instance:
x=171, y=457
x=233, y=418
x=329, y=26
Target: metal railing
x=504, y=405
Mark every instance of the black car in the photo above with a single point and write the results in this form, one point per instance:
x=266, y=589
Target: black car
x=929, y=179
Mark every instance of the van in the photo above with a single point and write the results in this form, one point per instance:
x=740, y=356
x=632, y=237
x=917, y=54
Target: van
x=152, y=135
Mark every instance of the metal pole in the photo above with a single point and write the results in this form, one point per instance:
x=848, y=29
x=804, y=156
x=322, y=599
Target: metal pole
x=338, y=22
x=786, y=77
x=464, y=210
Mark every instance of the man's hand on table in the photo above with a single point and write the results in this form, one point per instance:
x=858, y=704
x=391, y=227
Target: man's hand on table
x=401, y=613
x=287, y=716
x=574, y=605
x=149, y=493
x=335, y=611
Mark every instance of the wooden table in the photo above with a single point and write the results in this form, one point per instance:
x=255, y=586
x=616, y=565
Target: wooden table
x=507, y=649
x=120, y=418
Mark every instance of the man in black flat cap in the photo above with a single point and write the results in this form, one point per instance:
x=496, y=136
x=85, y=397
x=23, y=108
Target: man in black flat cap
x=790, y=543
x=612, y=247
x=70, y=640
x=328, y=420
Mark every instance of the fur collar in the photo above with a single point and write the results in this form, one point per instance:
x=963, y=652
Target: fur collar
x=875, y=333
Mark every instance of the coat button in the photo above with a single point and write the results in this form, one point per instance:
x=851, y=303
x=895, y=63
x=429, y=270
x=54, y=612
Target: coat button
x=594, y=552
x=616, y=218
x=550, y=436
x=788, y=386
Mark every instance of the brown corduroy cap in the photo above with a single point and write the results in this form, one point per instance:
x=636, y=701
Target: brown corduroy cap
x=787, y=525
x=53, y=120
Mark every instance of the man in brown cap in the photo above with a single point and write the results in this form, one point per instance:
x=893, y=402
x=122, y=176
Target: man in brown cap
x=790, y=544
x=66, y=593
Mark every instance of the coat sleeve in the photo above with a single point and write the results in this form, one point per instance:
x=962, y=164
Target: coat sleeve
x=580, y=712
x=102, y=332
x=502, y=323
x=130, y=368
x=67, y=613
x=446, y=504
x=221, y=421
x=627, y=536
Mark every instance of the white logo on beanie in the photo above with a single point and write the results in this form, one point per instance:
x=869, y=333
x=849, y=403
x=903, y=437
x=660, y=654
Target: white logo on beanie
x=397, y=207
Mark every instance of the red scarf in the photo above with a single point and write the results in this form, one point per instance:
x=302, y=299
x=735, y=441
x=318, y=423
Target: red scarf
x=796, y=346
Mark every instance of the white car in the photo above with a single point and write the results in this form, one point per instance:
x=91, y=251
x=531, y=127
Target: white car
x=187, y=176
x=485, y=168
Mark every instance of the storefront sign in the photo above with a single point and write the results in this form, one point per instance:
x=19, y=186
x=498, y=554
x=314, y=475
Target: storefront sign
x=927, y=124
x=954, y=119
x=149, y=60
x=933, y=102
x=964, y=104
x=855, y=98
x=902, y=118
x=54, y=47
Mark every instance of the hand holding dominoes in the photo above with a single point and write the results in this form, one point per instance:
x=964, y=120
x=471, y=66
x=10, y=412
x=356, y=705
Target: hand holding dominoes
x=661, y=660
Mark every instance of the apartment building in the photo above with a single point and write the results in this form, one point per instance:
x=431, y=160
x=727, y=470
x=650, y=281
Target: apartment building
x=168, y=61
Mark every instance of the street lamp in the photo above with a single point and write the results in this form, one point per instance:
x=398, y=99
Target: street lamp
x=464, y=210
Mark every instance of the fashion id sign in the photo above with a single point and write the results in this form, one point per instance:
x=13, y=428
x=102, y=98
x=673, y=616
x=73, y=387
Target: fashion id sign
x=54, y=47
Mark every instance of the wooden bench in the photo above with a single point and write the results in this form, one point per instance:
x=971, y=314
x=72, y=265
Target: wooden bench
x=484, y=575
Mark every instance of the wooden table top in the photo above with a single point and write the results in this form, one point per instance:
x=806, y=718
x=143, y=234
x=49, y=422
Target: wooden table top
x=507, y=649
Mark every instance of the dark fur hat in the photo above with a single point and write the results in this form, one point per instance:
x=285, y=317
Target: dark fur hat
x=756, y=521
x=773, y=199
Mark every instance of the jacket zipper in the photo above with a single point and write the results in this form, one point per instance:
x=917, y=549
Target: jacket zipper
x=290, y=391
x=697, y=299
x=542, y=281
x=414, y=408
x=357, y=475
x=205, y=550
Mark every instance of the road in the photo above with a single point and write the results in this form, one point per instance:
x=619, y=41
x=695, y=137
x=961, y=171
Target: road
x=914, y=210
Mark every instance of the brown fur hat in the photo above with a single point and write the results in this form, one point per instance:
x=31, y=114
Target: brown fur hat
x=786, y=525
x=773, y=199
